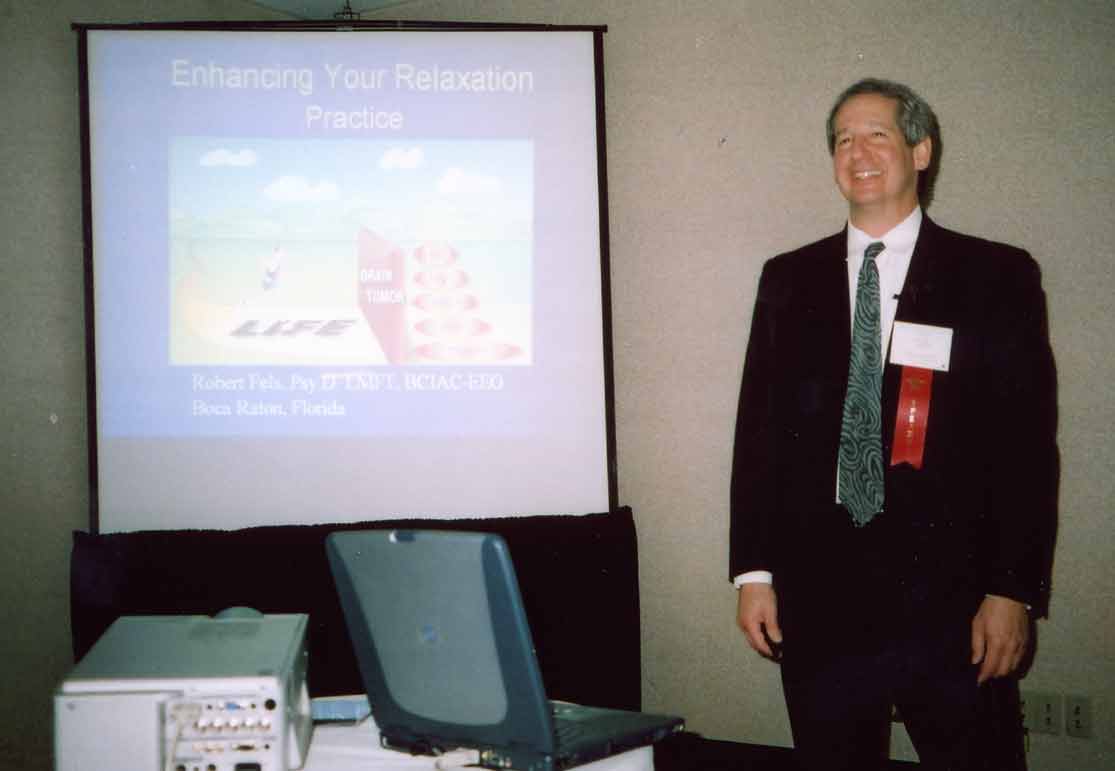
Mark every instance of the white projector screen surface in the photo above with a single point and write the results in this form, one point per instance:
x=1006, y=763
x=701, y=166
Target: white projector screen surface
x=345, y=274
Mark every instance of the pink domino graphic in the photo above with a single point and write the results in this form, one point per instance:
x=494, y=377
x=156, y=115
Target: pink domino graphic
x=446, y=303
x=455, y=333
x=435, y=254
x=471, y=353
x=441, y=279
x=453, y=327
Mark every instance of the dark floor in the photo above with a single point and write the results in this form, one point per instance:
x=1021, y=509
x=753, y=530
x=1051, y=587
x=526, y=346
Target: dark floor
x=690, y=752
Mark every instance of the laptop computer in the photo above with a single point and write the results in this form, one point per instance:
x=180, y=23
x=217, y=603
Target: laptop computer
x=443, y=645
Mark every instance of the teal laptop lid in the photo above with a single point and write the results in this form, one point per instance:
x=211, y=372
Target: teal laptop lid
x=445, y=651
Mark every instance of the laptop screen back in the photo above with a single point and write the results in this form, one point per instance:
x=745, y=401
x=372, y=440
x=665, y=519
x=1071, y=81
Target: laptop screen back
x=440, y=636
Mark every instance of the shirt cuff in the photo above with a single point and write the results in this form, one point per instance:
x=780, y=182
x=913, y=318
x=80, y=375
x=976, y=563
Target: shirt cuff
x=753, y=577
x=1028, y=606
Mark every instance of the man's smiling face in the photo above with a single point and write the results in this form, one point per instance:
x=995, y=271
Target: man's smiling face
x=876, y=171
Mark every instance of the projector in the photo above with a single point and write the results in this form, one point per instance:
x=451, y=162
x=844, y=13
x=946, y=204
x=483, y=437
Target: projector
x=188, y=693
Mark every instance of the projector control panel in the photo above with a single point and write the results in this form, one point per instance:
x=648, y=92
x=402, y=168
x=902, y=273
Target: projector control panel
x=226, y=733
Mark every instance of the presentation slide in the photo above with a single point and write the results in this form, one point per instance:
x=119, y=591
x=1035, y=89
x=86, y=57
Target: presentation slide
x=345, y=274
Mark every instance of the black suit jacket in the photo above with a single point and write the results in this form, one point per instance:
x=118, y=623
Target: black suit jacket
x=977, y=518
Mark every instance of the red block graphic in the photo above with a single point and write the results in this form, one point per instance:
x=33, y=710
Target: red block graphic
x=381, y=290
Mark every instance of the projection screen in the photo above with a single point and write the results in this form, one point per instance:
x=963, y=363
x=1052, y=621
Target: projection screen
x=345, y=273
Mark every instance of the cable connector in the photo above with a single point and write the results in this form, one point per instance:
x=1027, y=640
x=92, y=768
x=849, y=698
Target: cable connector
x=183, y=713
x=457, y=758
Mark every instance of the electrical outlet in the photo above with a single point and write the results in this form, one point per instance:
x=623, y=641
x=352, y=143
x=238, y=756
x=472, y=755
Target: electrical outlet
x=1042, y=712
x=1078, y=716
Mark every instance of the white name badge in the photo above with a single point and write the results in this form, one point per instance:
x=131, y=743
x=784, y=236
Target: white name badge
x=920, y=345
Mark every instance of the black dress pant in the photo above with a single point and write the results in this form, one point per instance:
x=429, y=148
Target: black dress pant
x=840, y=705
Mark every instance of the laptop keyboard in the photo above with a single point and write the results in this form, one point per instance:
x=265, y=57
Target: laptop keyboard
x=566, y=732
x=566, y=727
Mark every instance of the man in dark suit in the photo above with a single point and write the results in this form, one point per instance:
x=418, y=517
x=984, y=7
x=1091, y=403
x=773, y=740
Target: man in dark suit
x=894, y=480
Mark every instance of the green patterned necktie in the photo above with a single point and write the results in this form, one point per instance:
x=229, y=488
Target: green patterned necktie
x=861, y=443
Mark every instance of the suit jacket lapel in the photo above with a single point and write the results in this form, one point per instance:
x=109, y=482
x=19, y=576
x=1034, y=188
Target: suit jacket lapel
x=829, y=320
x=826, y=314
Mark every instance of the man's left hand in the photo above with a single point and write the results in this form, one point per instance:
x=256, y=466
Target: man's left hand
x=1000, y=633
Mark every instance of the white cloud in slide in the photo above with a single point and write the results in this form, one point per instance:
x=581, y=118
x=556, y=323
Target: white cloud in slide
x=457, y=180
x=223, y=157
x=402, y=158
x=292, y=189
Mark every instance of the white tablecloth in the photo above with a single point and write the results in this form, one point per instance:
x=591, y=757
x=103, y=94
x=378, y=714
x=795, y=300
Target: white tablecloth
x=356, y=748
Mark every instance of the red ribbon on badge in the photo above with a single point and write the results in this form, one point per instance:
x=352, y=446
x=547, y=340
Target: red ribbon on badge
x=912, y=417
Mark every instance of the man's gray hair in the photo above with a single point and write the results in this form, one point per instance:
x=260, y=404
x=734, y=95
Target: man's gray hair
x=914, y=115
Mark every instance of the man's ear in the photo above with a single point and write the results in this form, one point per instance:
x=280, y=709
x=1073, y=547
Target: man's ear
x=923, y=154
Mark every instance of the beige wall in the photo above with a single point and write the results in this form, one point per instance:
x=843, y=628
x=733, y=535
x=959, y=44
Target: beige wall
x=716, y=161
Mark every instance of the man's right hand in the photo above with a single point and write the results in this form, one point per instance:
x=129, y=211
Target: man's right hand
x=758, y=610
